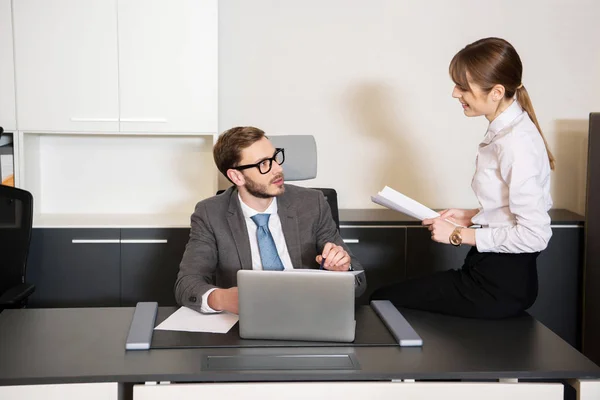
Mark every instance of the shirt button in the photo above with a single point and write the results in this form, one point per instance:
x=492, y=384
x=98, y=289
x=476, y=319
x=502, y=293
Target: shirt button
x=193, y=299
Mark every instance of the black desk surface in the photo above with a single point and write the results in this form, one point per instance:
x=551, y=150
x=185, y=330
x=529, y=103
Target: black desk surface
x=40, y=346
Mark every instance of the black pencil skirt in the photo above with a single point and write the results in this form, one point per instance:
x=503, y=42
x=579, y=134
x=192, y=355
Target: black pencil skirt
x=489, y=285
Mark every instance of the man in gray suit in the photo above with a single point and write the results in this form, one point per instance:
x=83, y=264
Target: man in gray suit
x=259, y=223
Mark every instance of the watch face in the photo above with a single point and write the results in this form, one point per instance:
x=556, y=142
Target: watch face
x=455, y=239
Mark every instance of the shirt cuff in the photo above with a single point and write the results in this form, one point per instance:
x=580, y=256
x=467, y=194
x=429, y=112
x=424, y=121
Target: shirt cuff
x=484, y=240
x=205, y=308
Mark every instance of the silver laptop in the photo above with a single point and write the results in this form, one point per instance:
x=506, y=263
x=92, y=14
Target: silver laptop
x=307, y=305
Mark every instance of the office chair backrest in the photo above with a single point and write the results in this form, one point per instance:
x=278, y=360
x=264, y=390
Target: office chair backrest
x=301, y=164
x=300, y=156
x=16, y=218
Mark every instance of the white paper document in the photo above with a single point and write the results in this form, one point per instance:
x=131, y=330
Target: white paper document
x=395, y=200
x=186, y=319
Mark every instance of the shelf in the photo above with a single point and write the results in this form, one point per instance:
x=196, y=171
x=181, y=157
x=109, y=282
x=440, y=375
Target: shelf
x=104, y=180
x=112, y=220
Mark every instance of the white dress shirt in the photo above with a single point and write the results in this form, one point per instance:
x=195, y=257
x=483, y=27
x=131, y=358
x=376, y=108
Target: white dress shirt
x=512, y=184
x=276, y=232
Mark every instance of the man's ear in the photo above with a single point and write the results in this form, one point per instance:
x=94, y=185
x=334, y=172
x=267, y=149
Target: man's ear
x=236, y=177
x=498, y=92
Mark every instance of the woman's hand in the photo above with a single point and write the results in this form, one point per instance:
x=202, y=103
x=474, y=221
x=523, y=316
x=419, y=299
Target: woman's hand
x=440, y=229
x=459, y=216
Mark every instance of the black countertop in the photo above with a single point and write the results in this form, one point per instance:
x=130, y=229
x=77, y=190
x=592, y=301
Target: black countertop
x=49, y=346
x=384, y=216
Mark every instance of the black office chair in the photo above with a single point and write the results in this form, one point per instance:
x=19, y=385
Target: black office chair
x=331, y=197
x=16, y=219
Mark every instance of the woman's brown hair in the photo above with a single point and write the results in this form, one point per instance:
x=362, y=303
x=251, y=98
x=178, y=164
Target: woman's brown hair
x=490, y=62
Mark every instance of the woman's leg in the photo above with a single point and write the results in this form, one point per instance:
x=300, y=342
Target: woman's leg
x=489, y=285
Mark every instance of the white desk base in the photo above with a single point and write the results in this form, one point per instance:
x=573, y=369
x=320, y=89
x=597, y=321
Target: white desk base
x=364, y=390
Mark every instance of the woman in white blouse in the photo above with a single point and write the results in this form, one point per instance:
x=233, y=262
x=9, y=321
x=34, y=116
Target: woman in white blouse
x=511, y=182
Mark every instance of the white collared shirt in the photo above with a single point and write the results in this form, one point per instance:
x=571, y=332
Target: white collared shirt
x=277, y=233
x=512, y=184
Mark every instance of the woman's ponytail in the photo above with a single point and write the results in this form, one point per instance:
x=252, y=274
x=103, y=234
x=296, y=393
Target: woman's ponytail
x=525, y=102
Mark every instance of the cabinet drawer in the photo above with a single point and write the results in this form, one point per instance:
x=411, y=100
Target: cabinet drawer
x=381, y=251
x=149, y=264
x=74, y=267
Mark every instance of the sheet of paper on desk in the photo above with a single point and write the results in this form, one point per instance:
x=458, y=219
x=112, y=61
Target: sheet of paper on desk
x=186, y=319
x=395, y=200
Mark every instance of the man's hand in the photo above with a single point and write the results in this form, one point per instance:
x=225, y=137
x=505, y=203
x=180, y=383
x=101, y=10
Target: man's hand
x=224, y=300
x=336, y=258
x=440, y=229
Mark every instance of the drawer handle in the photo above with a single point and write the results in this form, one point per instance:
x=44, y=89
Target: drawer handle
x=143, y=241
x=157, y=120
x=351, y=240
x=95, y=119
x=95, y=241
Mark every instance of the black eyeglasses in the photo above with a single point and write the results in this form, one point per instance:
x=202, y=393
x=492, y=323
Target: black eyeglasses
x=265, y=165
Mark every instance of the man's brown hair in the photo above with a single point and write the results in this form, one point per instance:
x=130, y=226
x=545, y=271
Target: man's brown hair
x=228, y=149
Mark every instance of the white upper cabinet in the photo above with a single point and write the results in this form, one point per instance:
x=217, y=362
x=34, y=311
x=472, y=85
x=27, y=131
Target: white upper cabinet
x=117, y=65
x=7, y=73
x=168, y=61
x=66, y=57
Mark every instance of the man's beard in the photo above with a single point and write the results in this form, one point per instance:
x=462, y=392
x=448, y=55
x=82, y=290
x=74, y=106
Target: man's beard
x=260, y=191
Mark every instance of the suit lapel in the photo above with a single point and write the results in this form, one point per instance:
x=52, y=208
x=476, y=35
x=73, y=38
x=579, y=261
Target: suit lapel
x=289, y=225
x=237, y=224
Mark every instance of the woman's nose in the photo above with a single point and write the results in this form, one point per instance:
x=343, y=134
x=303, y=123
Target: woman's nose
x=456, y=93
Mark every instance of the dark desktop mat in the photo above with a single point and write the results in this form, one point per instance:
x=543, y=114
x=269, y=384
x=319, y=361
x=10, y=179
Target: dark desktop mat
x=370, y=331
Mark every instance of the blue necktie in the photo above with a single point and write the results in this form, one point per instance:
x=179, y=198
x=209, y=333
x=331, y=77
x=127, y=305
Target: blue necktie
x=266, y=245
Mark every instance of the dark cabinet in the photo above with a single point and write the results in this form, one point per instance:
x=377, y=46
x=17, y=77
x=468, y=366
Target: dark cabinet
x=560, y=276
x=149, y=264
x=424, y=256
x=74, y=267
x=381, y=252
x=104, y=267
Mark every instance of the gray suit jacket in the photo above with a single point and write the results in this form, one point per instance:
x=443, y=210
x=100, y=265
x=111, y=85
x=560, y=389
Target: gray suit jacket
x=219, y=244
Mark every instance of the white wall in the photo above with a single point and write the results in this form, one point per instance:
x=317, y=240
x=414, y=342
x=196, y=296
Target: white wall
x=369, y=79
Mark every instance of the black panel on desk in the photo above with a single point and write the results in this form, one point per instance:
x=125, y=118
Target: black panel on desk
x=591, y=336
x=370, y=331
x=280, y=363
x=67, y=274
x=381, y=253
x=149, y=270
